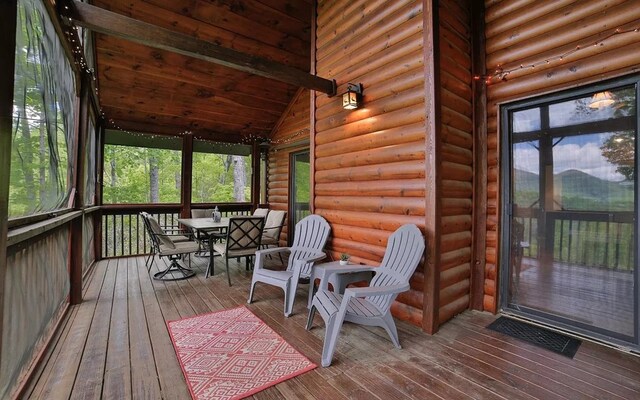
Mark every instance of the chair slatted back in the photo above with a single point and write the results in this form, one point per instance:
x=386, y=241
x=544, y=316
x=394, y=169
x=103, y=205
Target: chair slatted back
x=245, y=233
x=401, y=258
x=311, y=235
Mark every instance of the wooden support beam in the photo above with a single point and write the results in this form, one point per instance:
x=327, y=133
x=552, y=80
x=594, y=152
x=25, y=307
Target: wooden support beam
x=97, y=221
x=187, y=173
x=312, y=111
x=110, y=23
x=433, y=176
x=8, y=11
x=479, y=237
x=255, y=175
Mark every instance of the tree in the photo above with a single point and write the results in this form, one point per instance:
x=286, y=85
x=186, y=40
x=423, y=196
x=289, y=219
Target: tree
x=620, y=147
x=239, y=178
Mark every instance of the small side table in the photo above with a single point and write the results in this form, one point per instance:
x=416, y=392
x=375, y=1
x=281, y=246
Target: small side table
x=341, y=276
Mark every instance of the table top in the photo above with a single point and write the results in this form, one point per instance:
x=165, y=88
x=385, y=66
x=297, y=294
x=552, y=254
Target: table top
x=203, y=223
x=333, y=265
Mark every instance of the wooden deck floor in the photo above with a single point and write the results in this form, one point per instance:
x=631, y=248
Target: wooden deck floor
x=115, y=345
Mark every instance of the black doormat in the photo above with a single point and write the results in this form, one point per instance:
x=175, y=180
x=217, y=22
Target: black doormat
x=556, y=342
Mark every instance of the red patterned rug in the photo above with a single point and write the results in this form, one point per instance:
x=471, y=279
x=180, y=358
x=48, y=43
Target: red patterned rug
x=232, y=354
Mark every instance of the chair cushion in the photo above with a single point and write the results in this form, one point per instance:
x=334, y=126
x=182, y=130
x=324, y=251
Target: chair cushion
x=178, y=238
x=179, y=248
x=221, y=248
x=163, y=239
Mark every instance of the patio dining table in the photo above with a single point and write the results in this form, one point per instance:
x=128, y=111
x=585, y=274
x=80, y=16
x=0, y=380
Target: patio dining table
x=205, y=226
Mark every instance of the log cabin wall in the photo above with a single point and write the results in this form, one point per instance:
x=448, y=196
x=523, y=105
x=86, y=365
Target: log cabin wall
x=290, y=135
x=370, y=163
x=531, y=32
x=456, y=199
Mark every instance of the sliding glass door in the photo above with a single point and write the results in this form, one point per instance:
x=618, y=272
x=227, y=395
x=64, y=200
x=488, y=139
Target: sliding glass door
x=569, y=245
x=299, y=189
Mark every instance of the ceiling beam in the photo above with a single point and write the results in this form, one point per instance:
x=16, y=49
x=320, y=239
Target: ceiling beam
x=109, y=23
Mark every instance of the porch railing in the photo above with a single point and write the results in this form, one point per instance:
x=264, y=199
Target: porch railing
x=597, y=239
x=123, y=231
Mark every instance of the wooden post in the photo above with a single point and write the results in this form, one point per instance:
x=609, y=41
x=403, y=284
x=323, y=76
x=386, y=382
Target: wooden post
x=77, y=225
x=431, y=23
x=255, y=175
x=97, y=221
x=8, y=12
x=479, y=236
x=312, y=117
x=187, y=171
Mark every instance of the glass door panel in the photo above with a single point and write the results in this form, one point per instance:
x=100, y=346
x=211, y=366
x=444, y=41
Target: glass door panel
x=300, y=183
x=571, y=222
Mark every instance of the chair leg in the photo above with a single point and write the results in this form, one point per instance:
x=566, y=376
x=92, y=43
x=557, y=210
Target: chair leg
x=253, y=286
x=312, y=313
x=290, y=296
x=152, y=258
x=228, y=276
x=331, y=337
x=390, y=326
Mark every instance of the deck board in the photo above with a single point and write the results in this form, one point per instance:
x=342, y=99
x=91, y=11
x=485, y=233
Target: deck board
x=116, y=345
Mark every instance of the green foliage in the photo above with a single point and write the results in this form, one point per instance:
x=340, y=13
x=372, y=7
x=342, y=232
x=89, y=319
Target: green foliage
x=128, y=176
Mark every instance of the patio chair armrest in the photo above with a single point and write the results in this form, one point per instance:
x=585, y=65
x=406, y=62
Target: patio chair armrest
x=261, y=255
x=375, y=291
x=312, y=258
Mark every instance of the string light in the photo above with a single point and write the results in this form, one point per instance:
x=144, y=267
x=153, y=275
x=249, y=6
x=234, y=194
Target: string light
x=502, y=74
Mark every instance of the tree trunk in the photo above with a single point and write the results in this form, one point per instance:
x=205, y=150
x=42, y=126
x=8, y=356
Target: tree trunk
x=43, y=161
x=154, y=196
x=27, y=158
x=239, y=178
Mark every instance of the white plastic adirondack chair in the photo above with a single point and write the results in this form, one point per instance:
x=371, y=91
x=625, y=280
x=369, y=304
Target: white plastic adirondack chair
x=310, y=237
x=371, y=305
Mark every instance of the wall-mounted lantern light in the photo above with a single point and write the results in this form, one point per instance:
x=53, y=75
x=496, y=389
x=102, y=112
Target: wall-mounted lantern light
x=601, y=100
x=353, y=96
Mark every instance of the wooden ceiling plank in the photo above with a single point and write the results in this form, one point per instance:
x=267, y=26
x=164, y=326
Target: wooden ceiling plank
x=168, y=129
x=114, y=24
x=181, y=23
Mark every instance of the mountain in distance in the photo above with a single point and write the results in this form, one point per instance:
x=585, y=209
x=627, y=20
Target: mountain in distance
x=579, y=190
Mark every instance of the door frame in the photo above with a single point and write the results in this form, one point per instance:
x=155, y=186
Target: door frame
x=506, y=212
x=291, y=223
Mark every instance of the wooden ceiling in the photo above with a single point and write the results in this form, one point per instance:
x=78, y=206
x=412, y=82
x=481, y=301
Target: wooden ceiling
x=152, y=90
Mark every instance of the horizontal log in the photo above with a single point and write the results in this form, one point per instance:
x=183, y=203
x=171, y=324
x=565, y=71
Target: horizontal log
x=570, y=23
x=395, y=100
x=458, y=65
x=509, y=22
x=367, y=44
x=500, y=8
x=456, y=103
x=455, y=18
x=456, y=86
x=489, y=303
x=456, y=189
x=457, y=223
x=382, y=155
x=399, y=135
x=393, y=119
x=490, y=271
x=454, y=241
x=457, y=137
x=452, y=309
x=453, y=206
x=387, y=205
x=334, y=23
x=449, y=37
x=383, y=222
x=376, y=68
x=452, y=171
x=401, y=170
x=454, y=292
x=451, y=118
x=454, y=258
x=407, y=313
x=384, y=81
x=454, y=275
x=392, y=188
x=459, y=155
x=374, y=237
x=363, y=251
x=413, y=298
x=490, y=287
x=574, y=72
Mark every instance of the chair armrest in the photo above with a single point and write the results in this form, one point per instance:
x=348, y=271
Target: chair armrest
x=375, y=291
x=272, y=250
x=312, y=258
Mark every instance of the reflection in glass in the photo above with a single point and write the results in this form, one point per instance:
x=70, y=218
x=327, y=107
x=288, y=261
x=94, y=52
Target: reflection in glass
x=526, y=120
